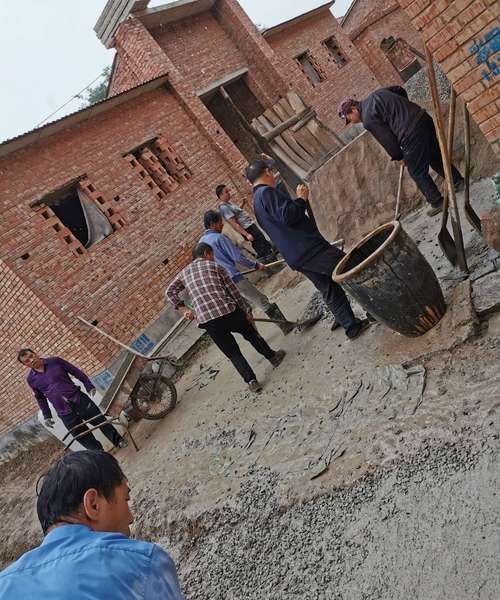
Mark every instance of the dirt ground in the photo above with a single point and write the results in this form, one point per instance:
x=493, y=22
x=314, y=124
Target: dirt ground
x=365, y=469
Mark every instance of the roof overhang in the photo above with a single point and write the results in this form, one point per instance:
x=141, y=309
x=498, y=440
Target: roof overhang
x=303, y=17
x=174, y=11
x=35, y=135
x=116, y=11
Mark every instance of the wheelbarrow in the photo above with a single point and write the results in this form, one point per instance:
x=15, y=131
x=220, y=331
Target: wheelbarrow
x=154, y=394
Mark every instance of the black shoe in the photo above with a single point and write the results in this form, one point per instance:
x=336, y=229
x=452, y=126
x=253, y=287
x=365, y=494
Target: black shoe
x=278, y=357
x=435, y=209
x=356, y=330
x=254, y=386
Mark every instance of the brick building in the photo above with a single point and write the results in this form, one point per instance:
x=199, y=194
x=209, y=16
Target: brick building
x=384, y=35
x=464, y=37
x=101, y=208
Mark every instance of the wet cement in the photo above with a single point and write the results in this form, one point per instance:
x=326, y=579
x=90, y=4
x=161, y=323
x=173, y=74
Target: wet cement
x=365, y=469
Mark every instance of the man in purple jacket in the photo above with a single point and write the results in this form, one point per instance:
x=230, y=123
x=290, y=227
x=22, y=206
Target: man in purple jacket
x=50, y=380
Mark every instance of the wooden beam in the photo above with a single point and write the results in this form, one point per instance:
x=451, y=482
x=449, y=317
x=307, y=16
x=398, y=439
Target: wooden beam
x=304, y=116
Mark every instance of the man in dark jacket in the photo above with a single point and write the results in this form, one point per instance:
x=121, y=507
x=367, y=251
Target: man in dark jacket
x=299, y=241
x=407, y=133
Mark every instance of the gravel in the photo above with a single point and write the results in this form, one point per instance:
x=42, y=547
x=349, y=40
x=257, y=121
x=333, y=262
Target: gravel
x=317, y=306
x=392, y=535
x=418, y=86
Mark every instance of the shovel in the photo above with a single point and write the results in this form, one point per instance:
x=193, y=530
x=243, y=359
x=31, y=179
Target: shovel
x=300, y=325
x=397, y=212
x=470, y=213
x=445, y=239
x=276, y=263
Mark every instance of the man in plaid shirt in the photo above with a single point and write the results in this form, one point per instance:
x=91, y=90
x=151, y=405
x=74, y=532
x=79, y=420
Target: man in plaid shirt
x=221, y=310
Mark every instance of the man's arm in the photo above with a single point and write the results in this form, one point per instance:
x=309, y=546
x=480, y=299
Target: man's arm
x=233, y=221
x=229, y=216
x=172, y=295
x=289, y=211
x=72, y=370
x=233, y=291
x=235, y=254
x=384, y=137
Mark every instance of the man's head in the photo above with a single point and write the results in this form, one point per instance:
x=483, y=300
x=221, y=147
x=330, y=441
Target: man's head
x=222, y=192
x=203, y=251
x=212, y=219
x=29, y=358
x=85, y=488
x=258, y=172
x=349, y=111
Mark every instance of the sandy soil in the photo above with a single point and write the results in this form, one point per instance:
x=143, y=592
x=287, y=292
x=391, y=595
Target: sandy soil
x=365, y=469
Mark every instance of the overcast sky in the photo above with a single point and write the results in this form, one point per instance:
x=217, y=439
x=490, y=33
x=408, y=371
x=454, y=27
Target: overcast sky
x=49, y=52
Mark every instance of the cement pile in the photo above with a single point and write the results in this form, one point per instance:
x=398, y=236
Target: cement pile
x=418, y=86
x=356, y=542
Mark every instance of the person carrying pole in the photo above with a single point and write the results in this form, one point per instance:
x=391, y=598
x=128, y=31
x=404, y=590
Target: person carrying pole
x=221, y=310
x=227, y=255
x=407, y=133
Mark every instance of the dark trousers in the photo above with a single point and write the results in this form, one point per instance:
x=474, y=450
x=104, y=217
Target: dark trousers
x=319, y=270
x=221, y=331
x=262, y=247
x=84, y=410
x=421, y=151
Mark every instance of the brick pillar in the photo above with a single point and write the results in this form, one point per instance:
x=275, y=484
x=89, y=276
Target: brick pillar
x=261, y=58
x=464, y=37
x=140, y=52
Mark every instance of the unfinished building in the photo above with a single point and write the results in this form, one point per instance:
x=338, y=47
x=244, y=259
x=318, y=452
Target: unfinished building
x=101, y=208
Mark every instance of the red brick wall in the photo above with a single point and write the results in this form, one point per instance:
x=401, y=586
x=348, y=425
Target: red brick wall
x=360, y=10
x=462, y=36
x=369, y=49
x=200, y=49
x=27, y=322
x=122, y=78
x=140, y=57
x=268, y=77
x=121, y=280
x=367, y=29
x=354, y=78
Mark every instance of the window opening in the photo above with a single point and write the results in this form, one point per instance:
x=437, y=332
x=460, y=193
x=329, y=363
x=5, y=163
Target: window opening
x=81, y=216
x=332, y=46
x=311, y=68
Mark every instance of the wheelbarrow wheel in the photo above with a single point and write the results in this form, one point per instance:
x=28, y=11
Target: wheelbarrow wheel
x=153, y=396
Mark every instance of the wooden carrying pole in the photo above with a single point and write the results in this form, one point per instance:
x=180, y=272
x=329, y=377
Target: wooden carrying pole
x=455, y=216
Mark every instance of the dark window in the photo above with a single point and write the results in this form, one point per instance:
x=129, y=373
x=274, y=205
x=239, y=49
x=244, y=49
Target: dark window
x=80, y=214
x=311, y=68
x=332, y=46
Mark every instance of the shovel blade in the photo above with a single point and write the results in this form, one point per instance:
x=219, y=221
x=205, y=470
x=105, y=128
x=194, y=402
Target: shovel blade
x=448, y=247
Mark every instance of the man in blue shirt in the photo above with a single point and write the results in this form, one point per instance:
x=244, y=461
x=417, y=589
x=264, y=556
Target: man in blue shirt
x=227, y=255
x=87, y=554
x=299, y=241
